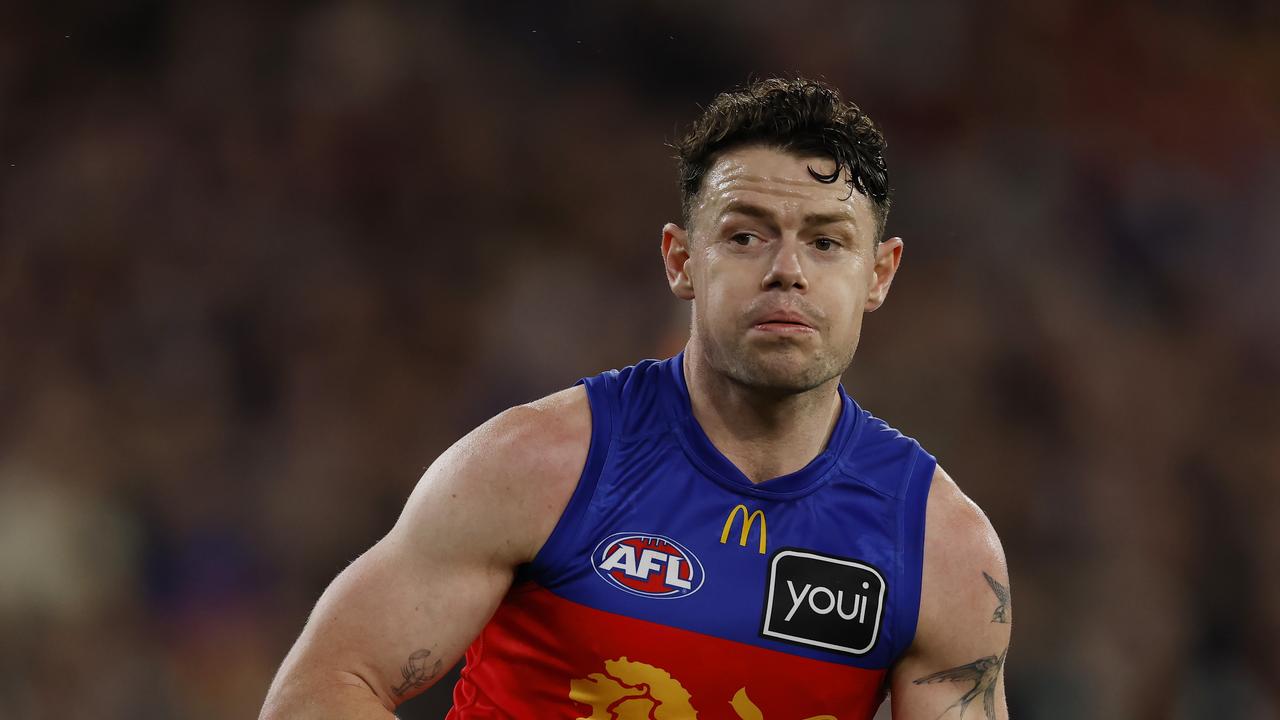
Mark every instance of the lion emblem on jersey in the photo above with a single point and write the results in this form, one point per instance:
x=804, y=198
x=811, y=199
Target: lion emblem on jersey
x=630, y=690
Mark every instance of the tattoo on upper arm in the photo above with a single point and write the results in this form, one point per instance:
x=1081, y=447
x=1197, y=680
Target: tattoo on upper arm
x=983, y=673
x=415, y=672
x=1001, y=615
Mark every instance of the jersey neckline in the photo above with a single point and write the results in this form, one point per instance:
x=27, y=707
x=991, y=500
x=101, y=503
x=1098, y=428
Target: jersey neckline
x=719, y=468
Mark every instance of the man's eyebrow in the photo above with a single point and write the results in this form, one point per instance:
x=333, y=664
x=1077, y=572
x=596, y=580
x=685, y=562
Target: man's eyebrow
x=828, y=218
x=746, y=208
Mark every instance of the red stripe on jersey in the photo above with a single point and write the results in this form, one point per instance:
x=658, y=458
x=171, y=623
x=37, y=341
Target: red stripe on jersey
x=542, y=656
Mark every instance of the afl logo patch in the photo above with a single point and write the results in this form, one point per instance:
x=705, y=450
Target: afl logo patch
x=647, y=565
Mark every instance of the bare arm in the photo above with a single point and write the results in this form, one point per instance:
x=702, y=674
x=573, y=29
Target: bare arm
x=405, y=611
x=955, y=667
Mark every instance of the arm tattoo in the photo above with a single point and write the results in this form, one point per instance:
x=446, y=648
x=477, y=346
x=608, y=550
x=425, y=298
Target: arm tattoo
x=1001, y=615
x=983, y=673
x=415, y=672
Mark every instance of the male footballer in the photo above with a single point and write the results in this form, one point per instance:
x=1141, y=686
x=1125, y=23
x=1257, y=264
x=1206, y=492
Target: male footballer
x=720, y=534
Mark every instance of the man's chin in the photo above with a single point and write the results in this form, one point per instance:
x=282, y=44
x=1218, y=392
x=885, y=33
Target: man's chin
x=783, y=372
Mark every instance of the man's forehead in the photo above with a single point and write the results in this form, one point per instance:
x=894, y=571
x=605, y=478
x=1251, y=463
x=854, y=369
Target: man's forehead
x=774, y=176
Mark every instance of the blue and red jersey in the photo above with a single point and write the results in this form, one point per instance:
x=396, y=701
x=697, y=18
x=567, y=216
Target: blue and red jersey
x=674, y=587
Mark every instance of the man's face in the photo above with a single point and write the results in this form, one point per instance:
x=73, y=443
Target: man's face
x=780, y=269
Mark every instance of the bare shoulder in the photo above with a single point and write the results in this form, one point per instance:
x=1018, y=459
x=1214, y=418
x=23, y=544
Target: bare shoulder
x=541, y=440
x=505, y=484
x=958, y=535
x=964, y=563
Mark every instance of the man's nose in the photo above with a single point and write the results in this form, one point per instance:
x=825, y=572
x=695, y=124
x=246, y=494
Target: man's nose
x=786, y=271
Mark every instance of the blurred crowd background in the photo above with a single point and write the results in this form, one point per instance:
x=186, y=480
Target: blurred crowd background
x=261, y=262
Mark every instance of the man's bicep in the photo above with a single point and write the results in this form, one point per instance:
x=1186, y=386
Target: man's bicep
x=399, y=617
x=403, y=613
x=956, y=664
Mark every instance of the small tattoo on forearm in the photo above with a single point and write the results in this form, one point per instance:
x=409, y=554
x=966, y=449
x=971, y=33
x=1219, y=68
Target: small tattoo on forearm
x=415, y=672
x=1001, y=615
x=983, y=673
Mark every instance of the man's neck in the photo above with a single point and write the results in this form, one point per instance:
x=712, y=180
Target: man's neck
x=766, y=435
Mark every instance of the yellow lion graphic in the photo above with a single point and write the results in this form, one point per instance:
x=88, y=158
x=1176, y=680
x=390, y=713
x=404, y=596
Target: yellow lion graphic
x=631, y=690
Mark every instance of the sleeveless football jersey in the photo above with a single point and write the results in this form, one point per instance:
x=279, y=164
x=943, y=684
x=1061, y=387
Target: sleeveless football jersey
x=673, y=587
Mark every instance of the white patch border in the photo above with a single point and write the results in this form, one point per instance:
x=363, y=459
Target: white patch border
x=768, y=610
x=673, y=595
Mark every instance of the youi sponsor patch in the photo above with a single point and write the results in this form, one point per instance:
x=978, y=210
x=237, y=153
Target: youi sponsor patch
x=823, y=601
x=647, y=565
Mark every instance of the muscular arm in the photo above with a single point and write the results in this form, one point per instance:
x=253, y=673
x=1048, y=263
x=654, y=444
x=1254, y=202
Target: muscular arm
x=405, y=610
x=955, y=666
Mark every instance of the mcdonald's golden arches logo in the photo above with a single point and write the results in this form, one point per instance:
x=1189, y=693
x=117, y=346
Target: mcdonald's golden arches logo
x=748, y=521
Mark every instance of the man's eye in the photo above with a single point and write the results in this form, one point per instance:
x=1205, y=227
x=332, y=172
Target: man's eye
x=743, y=239
x=825, y=244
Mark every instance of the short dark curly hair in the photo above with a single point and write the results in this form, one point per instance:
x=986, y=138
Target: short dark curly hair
x=800, y=116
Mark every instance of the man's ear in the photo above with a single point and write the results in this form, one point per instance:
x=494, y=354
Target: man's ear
x=675, y=255
x=888, y=255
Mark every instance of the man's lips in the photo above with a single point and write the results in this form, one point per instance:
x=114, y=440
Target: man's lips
x=783, y=322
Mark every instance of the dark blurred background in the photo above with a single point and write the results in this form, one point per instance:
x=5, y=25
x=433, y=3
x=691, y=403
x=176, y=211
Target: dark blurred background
x=261, y=262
